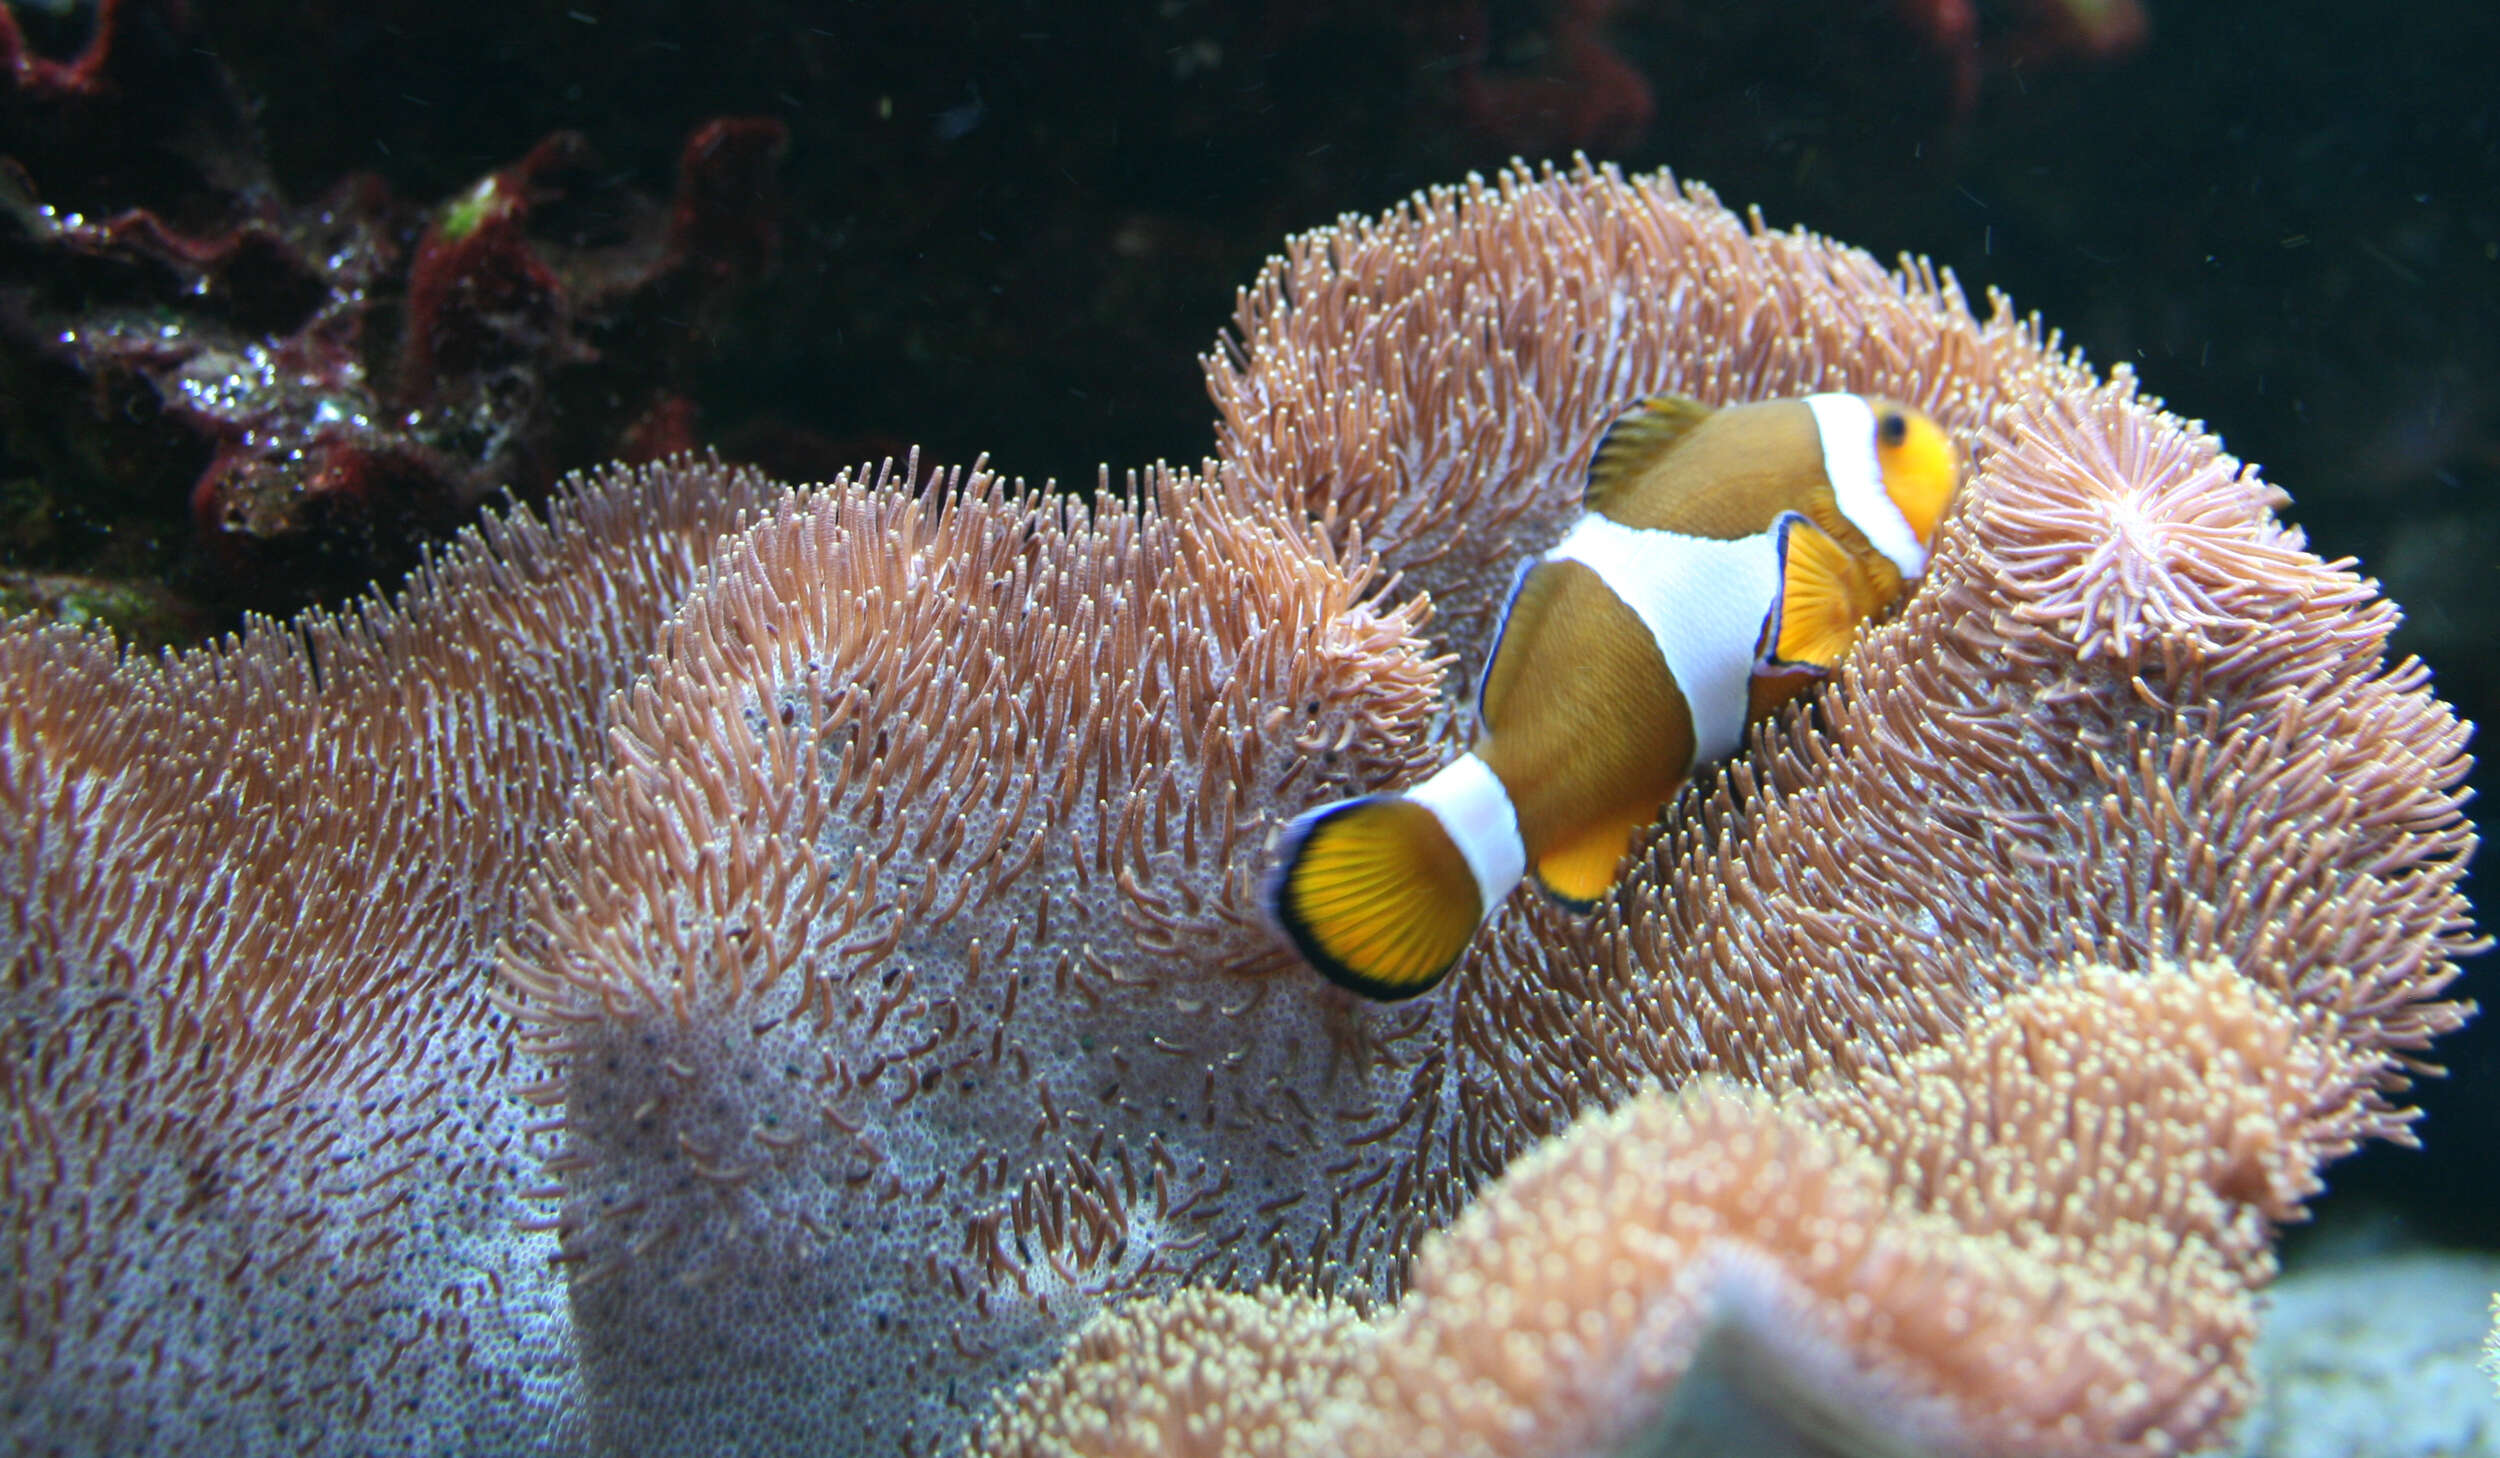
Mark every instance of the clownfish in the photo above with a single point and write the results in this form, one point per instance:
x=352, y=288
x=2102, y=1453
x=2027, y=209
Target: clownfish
x=1725, y=559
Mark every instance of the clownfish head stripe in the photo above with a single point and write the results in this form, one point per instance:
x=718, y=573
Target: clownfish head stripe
x=1847, y=424
x=1725, y=560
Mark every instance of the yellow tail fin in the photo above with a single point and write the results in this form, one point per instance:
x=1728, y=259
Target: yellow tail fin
x=1377, y=896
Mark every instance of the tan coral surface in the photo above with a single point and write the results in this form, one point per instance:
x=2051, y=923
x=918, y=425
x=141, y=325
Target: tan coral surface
x=1929, y=1261
x=906, y=974
x=2128, y=720
x=876, y=896
x=264, y=1171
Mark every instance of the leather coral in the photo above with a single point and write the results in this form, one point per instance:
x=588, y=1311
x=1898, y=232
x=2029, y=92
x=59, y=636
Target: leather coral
x=904, y=977
x=2129, y=723
x=823, y=924
x=266, y=1180
x=2039, y=1237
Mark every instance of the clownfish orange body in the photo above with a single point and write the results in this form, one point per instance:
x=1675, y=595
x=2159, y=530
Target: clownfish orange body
x=1727, y=558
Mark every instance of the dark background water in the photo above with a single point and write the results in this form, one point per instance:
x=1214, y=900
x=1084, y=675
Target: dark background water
x=1012, y=228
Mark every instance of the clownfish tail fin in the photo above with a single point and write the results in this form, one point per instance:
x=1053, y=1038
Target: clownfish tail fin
x=1383, y=893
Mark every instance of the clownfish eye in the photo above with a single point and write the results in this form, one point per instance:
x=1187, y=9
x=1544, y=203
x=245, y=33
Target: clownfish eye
x=1893, y=429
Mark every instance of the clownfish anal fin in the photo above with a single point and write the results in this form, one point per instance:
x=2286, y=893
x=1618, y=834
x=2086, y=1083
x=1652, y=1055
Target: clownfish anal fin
x=1636, y=440
x=1824, y=599
x=1580, y=870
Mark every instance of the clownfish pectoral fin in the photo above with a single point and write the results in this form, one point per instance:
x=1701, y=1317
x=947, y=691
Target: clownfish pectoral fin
x=1582, y=869
x=1638, y=438
x=1376, y=895
x=1824, y=598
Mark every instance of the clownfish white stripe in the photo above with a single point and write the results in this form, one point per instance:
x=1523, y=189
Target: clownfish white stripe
x=1702, y=600
x=1473, y=807
x=1847, y=425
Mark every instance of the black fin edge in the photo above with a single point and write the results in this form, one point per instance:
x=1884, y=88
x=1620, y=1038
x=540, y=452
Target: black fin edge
x=1653, y=402
x=1572, y=904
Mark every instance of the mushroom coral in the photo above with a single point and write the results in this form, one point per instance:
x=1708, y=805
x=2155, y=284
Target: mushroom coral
x=904, y=974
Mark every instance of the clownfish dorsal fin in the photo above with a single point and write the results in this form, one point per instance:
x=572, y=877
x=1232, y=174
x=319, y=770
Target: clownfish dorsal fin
x=1824, y=599
x=1636, y=440
x=1501, y=629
